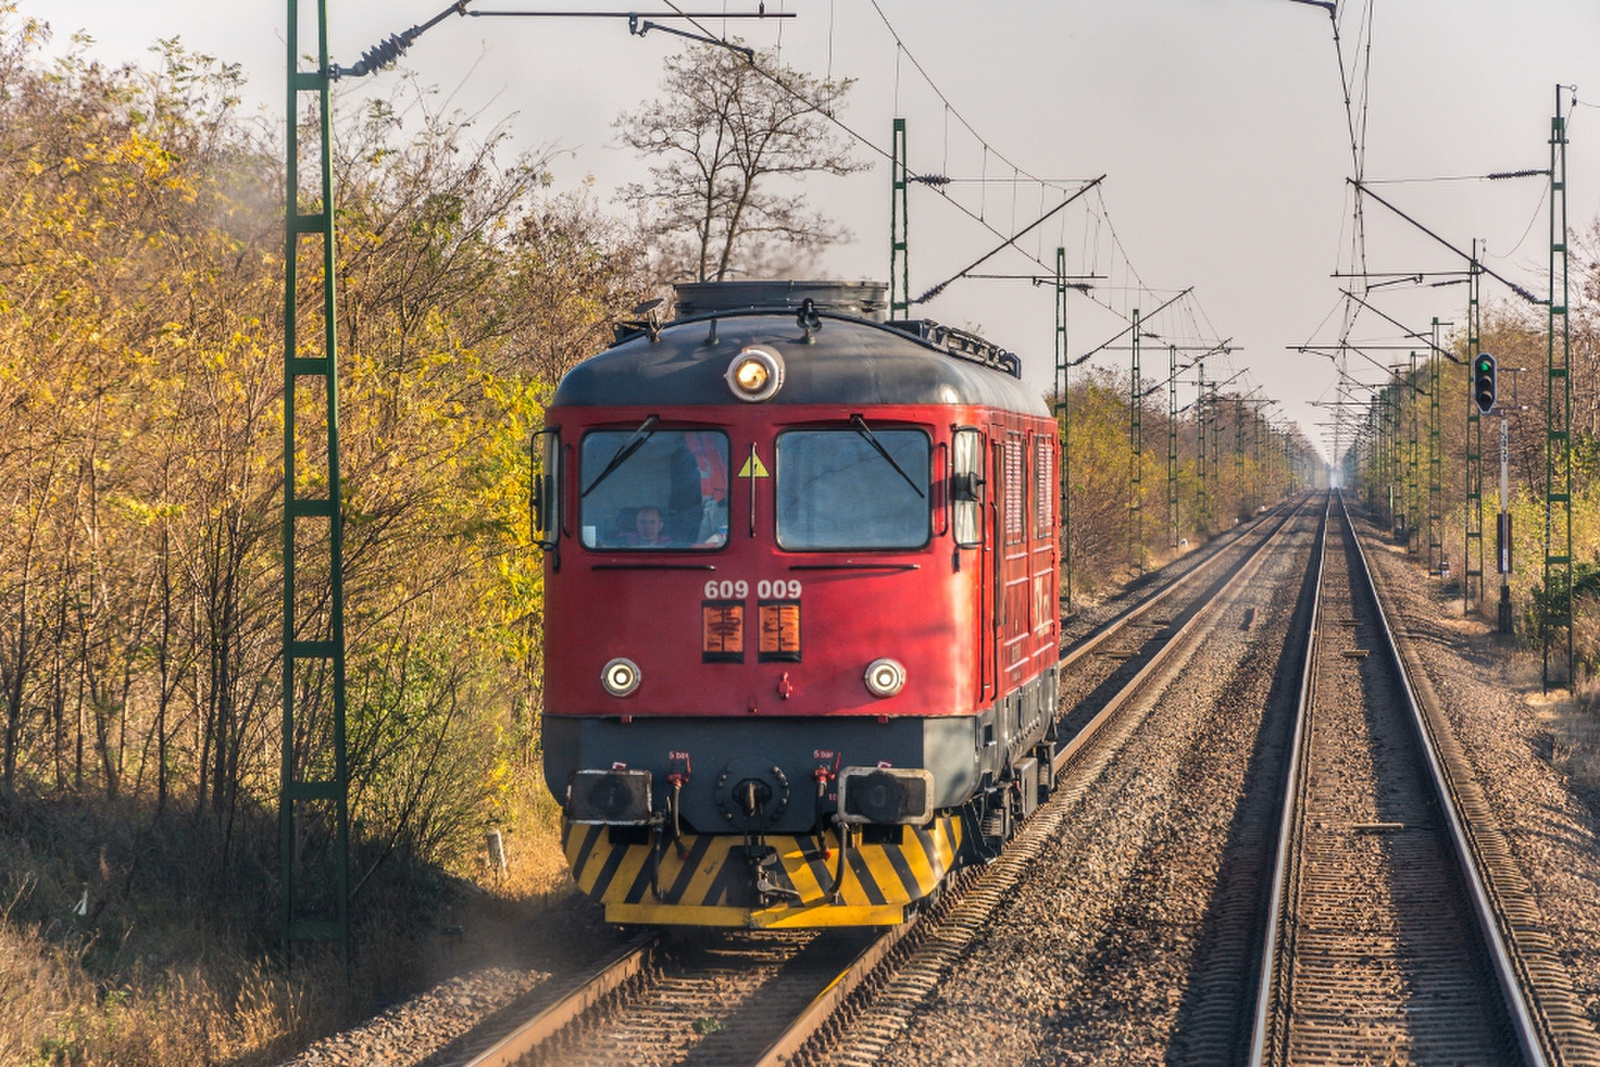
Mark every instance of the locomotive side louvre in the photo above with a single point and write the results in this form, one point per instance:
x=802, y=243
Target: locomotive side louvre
x=807, y=643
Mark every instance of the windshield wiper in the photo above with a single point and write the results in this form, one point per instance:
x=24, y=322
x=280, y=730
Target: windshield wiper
x=627, y=449
x=861, y=428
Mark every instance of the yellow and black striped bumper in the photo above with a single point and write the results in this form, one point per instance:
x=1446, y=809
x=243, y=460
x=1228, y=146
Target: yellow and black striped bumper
x=708, y=881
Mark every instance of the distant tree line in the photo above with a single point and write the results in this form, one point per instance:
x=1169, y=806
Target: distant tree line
x=1120, y=523
x=1395, y=479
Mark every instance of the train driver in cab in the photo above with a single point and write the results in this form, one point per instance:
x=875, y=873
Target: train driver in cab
x=647, y=531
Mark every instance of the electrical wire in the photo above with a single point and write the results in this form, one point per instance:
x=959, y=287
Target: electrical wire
x=1538, y=210
x=1102, y=216
x=988, y=147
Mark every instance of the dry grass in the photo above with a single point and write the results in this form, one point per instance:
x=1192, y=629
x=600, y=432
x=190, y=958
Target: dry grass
x=175, y=964
x=536, y=869
x=154, y=973
x=1575, y=745
x=52, y=1011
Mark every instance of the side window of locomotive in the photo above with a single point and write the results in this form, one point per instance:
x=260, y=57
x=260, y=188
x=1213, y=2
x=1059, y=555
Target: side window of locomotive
x=966, y=487
x=666, y=489
x=853, y=489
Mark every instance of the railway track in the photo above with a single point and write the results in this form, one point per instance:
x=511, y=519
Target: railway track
x=769, y=997
x=836, y=997
x=1096, y=664
x=875, y=1027
x=1385, y=937
x=701, y=997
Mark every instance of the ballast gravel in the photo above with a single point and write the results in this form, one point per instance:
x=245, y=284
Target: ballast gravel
x=1090, y=960
x=1492, y=695
x=1093, y=959
x=408, y=1033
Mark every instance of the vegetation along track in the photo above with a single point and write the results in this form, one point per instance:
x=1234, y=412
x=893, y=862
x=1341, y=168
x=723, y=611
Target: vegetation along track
x=1386, y=937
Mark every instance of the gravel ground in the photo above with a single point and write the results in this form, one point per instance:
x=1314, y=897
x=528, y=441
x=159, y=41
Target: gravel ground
x=408, y=1032
x=1090, y=613
x=509, y=959
x=1500, y=718
x=1092, y=958
x=1384, y=960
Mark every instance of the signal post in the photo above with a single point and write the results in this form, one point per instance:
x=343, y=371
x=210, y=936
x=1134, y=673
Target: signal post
x=1485, y=386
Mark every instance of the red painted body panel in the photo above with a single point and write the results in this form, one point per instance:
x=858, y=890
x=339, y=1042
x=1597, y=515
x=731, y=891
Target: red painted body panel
x=941, y=620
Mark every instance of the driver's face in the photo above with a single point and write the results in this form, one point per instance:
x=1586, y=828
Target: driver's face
x=649, y=525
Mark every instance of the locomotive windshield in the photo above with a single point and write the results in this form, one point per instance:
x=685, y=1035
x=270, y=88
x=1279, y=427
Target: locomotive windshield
x=661, y=489
x=843, y=489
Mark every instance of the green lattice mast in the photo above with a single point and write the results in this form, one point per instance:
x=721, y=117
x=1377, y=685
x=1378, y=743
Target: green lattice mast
x=1557, y=615
x=313, y=770
x=1064, y=418
x=899, y=263
x=1172, y=446
x=1472, y=549
x=1136, y=455
x=1435, y=457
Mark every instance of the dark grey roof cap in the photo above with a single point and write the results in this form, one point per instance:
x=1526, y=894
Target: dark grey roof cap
x=864, y=300
x=847, y=361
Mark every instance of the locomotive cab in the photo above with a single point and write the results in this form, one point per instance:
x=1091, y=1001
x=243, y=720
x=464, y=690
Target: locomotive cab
x=801, y=572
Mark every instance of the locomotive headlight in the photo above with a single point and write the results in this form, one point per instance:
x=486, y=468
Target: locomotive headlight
x=620, y=676
x=885, y=677
x=755, y=374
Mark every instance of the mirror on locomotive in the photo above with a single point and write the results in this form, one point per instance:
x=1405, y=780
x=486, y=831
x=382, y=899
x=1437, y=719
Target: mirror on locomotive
x=966, y=486
x=544, y=491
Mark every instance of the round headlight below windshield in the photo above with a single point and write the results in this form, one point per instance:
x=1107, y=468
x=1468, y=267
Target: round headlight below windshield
x=751, y=376
x=885, y=677
x=620, y=676
x=755, y=374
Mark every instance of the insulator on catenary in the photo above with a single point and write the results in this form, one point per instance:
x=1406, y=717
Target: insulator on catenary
x=379, y=55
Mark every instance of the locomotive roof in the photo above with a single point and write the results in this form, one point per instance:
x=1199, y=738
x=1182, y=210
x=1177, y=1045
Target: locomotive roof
x=846, y=361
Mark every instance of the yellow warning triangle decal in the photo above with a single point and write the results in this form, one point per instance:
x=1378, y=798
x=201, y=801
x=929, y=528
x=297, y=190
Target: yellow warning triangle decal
x=753, y=467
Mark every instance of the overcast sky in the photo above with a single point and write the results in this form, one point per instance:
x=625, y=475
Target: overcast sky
x=1220, y=126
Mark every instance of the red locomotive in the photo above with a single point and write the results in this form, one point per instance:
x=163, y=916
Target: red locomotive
x=802, y=572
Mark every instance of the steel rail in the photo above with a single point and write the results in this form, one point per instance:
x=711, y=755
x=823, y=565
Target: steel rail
x=1511, y=989
x=838, y=991
x=639, y=954
x=1159, y=657
x=1527, y=1032
x=1099, y=638
x=816, y=1014
x=1297, y=756
x=972, y=914
x=634, y=958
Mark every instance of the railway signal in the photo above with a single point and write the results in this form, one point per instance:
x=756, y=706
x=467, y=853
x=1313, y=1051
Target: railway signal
x=1483, y=383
